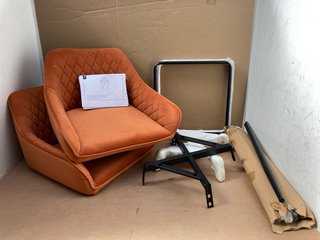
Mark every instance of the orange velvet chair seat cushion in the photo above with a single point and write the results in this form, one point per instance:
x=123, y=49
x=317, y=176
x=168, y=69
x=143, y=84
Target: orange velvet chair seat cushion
x=113, y=130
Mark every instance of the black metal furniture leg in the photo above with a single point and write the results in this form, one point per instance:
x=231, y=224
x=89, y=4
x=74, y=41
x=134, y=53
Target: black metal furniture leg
x=213, y=148
x=209, y=195
x=232, y=154
x=186, y=156
x=143, y=174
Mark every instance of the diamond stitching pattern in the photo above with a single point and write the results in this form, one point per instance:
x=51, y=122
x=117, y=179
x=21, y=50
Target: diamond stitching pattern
x=70, y=63
x=69, y=66
x=36, y=112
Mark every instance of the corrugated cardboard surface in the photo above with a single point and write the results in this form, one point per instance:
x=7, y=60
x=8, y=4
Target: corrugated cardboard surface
x=152, y=30
x=273, y=208
x=200, y=91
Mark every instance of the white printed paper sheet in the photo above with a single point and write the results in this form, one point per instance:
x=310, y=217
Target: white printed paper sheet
x=103, y=90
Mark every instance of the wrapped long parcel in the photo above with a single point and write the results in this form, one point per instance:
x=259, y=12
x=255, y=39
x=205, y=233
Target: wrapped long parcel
x=293, y=214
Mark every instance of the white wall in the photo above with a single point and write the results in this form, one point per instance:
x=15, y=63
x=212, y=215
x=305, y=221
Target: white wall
x=20, y=67
x=283, y=98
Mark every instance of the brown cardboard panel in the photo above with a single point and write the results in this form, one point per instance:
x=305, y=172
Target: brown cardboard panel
x=152, y=30
x=199, y=91
x=275, y=210
x=66, y=24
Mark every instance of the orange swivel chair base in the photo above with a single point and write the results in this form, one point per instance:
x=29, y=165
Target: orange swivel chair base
x=43, y=153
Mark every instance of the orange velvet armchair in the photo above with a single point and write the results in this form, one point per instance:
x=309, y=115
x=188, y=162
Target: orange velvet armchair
x=86, y=149
x=43, y=153
x=90, y=134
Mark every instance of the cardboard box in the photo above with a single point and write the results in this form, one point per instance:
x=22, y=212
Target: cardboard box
x=151, y=30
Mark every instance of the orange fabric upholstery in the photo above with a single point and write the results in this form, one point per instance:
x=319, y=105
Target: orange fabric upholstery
x=116, y=129
x=83, y=135
x=43, y=153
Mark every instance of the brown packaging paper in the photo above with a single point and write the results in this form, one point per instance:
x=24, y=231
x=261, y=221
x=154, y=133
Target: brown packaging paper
x=275, y=210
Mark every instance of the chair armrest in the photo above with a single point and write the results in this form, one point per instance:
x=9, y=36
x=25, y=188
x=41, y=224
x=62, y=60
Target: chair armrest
x=156, y=106
x=61, y=125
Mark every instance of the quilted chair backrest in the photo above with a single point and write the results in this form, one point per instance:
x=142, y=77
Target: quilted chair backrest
x=30, y=115
x=63, y=67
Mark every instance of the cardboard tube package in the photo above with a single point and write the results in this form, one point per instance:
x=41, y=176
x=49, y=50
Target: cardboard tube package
x=276, y=211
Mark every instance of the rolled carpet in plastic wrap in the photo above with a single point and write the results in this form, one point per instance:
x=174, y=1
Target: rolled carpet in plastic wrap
x=289, y=213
